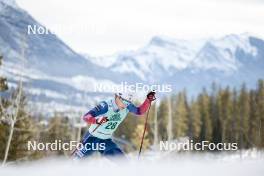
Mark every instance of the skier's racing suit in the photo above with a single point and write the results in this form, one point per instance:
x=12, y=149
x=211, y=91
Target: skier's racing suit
x=113, y=117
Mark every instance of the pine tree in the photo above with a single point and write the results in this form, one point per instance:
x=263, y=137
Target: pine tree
x=260, y=110
x=243, y=111
x=235, y=127
x=194, y=121
x=24, y=130
x=254, y=120
x=225, y=114
x=214, y=109
x=59, y=129
x=206, y=121
x=180, y=115
x=163, y=120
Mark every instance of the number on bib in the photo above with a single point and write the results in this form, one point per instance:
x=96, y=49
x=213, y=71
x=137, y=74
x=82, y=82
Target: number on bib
x=111, y=125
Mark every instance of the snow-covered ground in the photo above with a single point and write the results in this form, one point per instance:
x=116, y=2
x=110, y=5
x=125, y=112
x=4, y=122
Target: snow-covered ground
x=192, y=165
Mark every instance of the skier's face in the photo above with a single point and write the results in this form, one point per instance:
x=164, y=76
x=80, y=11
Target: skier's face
x=119, y=102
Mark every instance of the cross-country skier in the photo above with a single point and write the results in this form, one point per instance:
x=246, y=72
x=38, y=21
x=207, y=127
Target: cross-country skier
x=104, y=120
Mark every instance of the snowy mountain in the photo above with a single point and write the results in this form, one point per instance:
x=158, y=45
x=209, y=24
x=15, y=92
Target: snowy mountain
x=230, y=60
x=58, y=78
x=54, y=75
x=173, y=55
x=221, y=54
x=159, y=55
x=11, y=3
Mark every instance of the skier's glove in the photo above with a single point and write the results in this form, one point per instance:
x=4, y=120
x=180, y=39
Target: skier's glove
x=101, y=120
x=151, y=96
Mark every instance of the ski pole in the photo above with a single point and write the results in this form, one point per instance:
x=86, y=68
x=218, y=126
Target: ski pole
x=145, y=128
x=88, y=136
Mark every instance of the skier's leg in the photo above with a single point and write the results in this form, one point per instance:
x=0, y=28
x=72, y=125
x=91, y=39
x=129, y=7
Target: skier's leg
x=84, y=152
x=112, y=150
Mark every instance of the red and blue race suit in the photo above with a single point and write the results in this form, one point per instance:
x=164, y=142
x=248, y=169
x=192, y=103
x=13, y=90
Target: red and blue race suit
x=103, y=133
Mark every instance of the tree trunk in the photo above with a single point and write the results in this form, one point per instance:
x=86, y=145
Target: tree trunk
x=8, y=142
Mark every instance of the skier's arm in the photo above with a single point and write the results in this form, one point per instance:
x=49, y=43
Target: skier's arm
x=140, y=110
x=100, y=109
x=144, y=106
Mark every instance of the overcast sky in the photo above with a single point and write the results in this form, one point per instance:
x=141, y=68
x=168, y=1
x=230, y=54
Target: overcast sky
x=103, y=27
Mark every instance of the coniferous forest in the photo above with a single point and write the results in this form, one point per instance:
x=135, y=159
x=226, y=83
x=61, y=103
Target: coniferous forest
x=218, y=115
x=221, y=114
